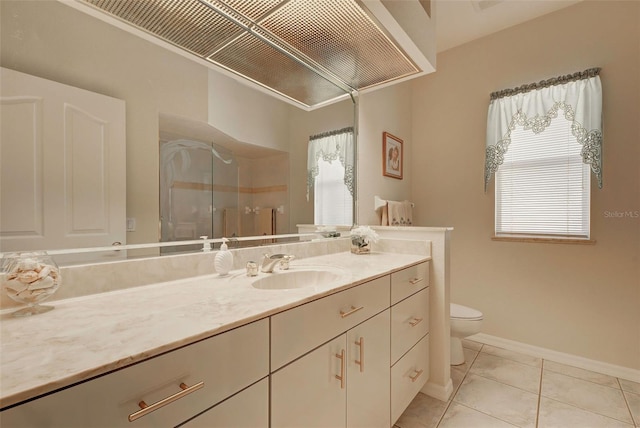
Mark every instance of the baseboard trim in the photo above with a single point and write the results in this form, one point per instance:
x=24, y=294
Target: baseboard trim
x=559, y=357
x=440, y=392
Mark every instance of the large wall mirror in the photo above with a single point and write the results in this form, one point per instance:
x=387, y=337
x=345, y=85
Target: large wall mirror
x=171, y=100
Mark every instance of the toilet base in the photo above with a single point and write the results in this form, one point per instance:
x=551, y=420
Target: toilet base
x=457, y=354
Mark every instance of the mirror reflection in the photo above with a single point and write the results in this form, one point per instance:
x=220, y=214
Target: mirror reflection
x=170, y=97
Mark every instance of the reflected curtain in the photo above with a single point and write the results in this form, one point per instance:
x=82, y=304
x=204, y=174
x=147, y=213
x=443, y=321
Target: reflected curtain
x=578, y=97
x=330, y=146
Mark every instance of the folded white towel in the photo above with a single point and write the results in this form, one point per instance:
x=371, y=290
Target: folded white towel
x=397, y=213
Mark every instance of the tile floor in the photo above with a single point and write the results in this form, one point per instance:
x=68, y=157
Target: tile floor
x=500, y=388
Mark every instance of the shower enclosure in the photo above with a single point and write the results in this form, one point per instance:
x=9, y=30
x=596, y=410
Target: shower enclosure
x=199, y=195
x=208, y=190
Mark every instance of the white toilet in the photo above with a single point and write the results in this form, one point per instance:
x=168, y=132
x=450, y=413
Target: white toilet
x=464, y=322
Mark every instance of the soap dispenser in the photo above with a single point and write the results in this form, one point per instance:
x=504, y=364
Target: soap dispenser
x=223, y=261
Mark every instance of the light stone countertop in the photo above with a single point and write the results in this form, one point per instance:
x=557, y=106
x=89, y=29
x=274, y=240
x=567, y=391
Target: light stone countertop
x=91, y=335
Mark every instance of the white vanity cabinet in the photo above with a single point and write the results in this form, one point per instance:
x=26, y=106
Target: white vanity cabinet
x=344, y=382
x=297, y=331
x=368, y=382
x=409, y=335
x=306, y=393
x=247, y=409
x=196, y=378
x=355, y=358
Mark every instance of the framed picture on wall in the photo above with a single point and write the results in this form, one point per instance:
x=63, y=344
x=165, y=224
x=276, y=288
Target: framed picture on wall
x=391, y=156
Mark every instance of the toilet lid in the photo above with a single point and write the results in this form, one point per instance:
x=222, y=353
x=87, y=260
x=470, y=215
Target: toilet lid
x=463, y=312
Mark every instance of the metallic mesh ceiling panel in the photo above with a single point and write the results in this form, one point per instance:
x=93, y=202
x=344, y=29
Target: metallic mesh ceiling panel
x=260, y=62
x=252, y=9
x=335, y=37
x=339, y=35
x=187, y=24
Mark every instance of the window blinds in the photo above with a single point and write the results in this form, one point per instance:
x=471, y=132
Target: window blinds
x=543, y=186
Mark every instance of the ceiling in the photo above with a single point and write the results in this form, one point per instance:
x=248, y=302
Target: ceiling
x=460, y=21
x=308, y=51
x=312, y=52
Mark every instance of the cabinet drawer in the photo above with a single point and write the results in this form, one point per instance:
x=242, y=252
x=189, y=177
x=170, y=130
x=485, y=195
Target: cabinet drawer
x=408, y=376
x=225, y=363
x=299, y=330
x=409, y=322
x=407, y=281
x=247, y=409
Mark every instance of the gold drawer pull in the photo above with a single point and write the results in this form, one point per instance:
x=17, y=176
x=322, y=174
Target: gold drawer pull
x=351, y=312
x=415, y=280
x=416, y=376
x=341, y=377
x=415, y=322
x=146, y=409
x=360, y=362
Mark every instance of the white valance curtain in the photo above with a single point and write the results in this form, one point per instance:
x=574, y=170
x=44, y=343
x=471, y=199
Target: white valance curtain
x=578, y=96
x=329, y=147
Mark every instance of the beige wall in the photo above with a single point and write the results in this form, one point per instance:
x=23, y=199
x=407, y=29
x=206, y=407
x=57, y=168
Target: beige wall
x=383, y=110
x=577, y=299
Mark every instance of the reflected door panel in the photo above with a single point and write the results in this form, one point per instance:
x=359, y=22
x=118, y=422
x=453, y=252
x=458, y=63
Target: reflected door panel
x=62, y=153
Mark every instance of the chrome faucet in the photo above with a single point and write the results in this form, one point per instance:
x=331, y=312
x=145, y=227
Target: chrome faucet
x=269, y=262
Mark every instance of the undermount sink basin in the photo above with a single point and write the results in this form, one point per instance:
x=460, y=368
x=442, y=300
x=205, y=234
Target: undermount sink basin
x=290, y=279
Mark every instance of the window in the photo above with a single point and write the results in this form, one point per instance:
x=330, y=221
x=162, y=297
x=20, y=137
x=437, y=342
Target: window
x=543, y=186
x=544, y=140
x=333, y=203
x=330, y=172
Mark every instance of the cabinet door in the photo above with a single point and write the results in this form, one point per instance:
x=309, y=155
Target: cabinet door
x=368, y=373
x=247, y=409
x=307, y=393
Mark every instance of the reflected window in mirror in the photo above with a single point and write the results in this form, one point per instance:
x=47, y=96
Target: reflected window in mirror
x=333, y=203
x=330, y=172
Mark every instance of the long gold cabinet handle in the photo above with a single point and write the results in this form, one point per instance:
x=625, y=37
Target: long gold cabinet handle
x=353, y=310
x=415, y=322
x=416, y=376
x=146, y=409
x=360, y=362
x=341, y=378
x=414, y=281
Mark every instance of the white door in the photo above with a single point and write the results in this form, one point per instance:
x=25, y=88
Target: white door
x=369, y=373
x=306, y=393
x=62, y=165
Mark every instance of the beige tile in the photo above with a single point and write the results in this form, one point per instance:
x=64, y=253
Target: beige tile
x=633, y=400
x=585, y=395
x=423, y=412
x=459, y=416
x=630, y=386
x=511, y=355
x=594, y=377
x=508, y=372
x=470, y=344
x=554, y=414
x=496, y=399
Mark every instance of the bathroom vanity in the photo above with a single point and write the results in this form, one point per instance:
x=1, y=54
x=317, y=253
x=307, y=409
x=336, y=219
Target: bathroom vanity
x=216, y=351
